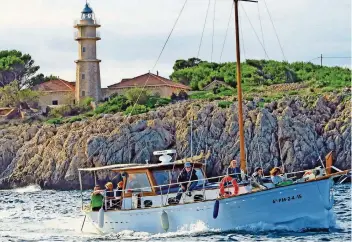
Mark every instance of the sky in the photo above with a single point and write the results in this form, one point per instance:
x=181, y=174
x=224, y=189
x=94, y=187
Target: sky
x=133, y=33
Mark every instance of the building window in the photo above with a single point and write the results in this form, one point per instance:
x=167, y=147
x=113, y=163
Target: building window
x=55, y=102
x=74, y=101
x=84, y=49
x=83, y=76
x=83, y=93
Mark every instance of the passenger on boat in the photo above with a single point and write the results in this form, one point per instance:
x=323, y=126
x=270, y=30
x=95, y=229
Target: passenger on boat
x=112, y=201
x=109, y=190
x=187, y=175
x=96, y=199
x=119, y=189
x=234, y=171
x=275, y=176
x=257, y=177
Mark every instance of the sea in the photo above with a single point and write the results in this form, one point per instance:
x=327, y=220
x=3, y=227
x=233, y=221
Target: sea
x=32, y=214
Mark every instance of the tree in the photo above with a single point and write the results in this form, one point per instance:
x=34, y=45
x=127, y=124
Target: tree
x=40, y=78
x=12, y=96
x=16, y=66
x=138, y=95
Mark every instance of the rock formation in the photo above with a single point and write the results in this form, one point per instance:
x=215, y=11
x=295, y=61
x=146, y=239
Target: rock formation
x=294, y=131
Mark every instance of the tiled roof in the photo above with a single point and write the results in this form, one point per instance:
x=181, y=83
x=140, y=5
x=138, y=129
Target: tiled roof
x=55, y=86
x=148, y=80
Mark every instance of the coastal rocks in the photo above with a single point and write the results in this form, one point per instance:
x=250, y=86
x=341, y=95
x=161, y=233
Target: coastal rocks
x=293, y=132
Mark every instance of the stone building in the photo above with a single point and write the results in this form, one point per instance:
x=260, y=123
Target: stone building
x=87, y=66
x=55, y=92
x=155, y=84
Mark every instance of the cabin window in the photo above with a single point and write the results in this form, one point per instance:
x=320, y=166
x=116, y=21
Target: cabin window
x=55, y=102
x=162, y=177
x=138, y=182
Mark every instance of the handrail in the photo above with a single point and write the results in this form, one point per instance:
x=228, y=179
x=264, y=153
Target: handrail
x=171, y=184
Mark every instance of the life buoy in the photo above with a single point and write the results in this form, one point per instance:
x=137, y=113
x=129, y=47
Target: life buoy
x=225, y=180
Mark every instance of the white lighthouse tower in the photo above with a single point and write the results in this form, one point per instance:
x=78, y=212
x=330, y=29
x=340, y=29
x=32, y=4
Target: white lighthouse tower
x=88, y=82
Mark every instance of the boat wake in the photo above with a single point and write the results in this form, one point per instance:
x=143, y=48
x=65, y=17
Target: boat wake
x=201, y=229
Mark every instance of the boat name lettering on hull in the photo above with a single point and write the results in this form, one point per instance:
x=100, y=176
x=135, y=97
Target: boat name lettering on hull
x=287, y=199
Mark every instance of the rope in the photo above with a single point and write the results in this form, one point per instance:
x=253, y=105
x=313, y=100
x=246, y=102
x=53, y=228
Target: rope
x=260, y=157
x=266, y=54
x=227, y=30
x=161, y=52
x=205, y=22
x=212, y=39
x=261, y=26
x=277, y=36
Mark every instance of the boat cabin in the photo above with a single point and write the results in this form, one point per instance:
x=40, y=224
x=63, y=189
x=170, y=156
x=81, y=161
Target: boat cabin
x=156, y=179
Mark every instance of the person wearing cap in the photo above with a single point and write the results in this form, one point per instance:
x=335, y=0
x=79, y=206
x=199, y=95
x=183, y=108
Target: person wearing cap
x=96, y=199
x=187, y=175
x=234, y=171
x=257, y=177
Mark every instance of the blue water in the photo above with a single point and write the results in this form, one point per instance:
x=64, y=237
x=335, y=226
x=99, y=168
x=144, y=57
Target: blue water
x=29, y=214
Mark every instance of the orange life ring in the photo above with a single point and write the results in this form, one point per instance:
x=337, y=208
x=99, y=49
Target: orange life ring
x=225, y=180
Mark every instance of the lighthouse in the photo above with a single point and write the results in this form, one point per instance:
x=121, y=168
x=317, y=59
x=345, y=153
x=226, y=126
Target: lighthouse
x=88, y=82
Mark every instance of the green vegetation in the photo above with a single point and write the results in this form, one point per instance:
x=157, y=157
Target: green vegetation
x=70, y=110
x=114, y=105
x=118, y=103
x=12, y=96
x=225, y=104
x=197, y=73
x=136, y=109
x=262, y=80
x=14, y=65
x=138, y=95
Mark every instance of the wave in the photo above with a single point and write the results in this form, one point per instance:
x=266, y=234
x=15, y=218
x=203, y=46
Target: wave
x=200, y=228
x=27, y=189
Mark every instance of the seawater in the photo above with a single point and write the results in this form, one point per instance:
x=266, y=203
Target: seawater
x=32, y=214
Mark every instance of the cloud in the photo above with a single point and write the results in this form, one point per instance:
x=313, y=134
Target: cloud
x=133, y=32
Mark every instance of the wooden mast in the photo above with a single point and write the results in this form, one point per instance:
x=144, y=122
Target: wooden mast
x=239, y=92
x=239, y=89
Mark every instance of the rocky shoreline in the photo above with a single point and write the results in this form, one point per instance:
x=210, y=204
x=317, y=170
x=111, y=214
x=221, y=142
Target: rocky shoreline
x=295, y=131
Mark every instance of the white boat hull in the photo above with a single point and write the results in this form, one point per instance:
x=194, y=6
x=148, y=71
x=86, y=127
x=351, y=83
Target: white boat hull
x=309, y=202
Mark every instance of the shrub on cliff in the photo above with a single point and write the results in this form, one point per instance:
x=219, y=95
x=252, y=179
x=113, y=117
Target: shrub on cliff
x=156, y=101
x=138, y=95
x=116, y=104
x=225, y=104
x=137, y=109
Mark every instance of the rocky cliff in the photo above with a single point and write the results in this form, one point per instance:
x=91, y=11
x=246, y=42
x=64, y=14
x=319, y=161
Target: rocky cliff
x=295, y=131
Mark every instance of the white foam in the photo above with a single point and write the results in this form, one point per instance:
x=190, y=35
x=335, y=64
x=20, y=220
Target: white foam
x=30, y=188
x=187, y=230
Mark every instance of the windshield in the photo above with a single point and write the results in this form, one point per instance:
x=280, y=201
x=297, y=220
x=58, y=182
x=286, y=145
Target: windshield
x=165, y=177
x=138, y=181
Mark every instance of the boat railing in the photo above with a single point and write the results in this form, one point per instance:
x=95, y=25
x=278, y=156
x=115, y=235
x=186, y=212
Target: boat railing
x=160, y=188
